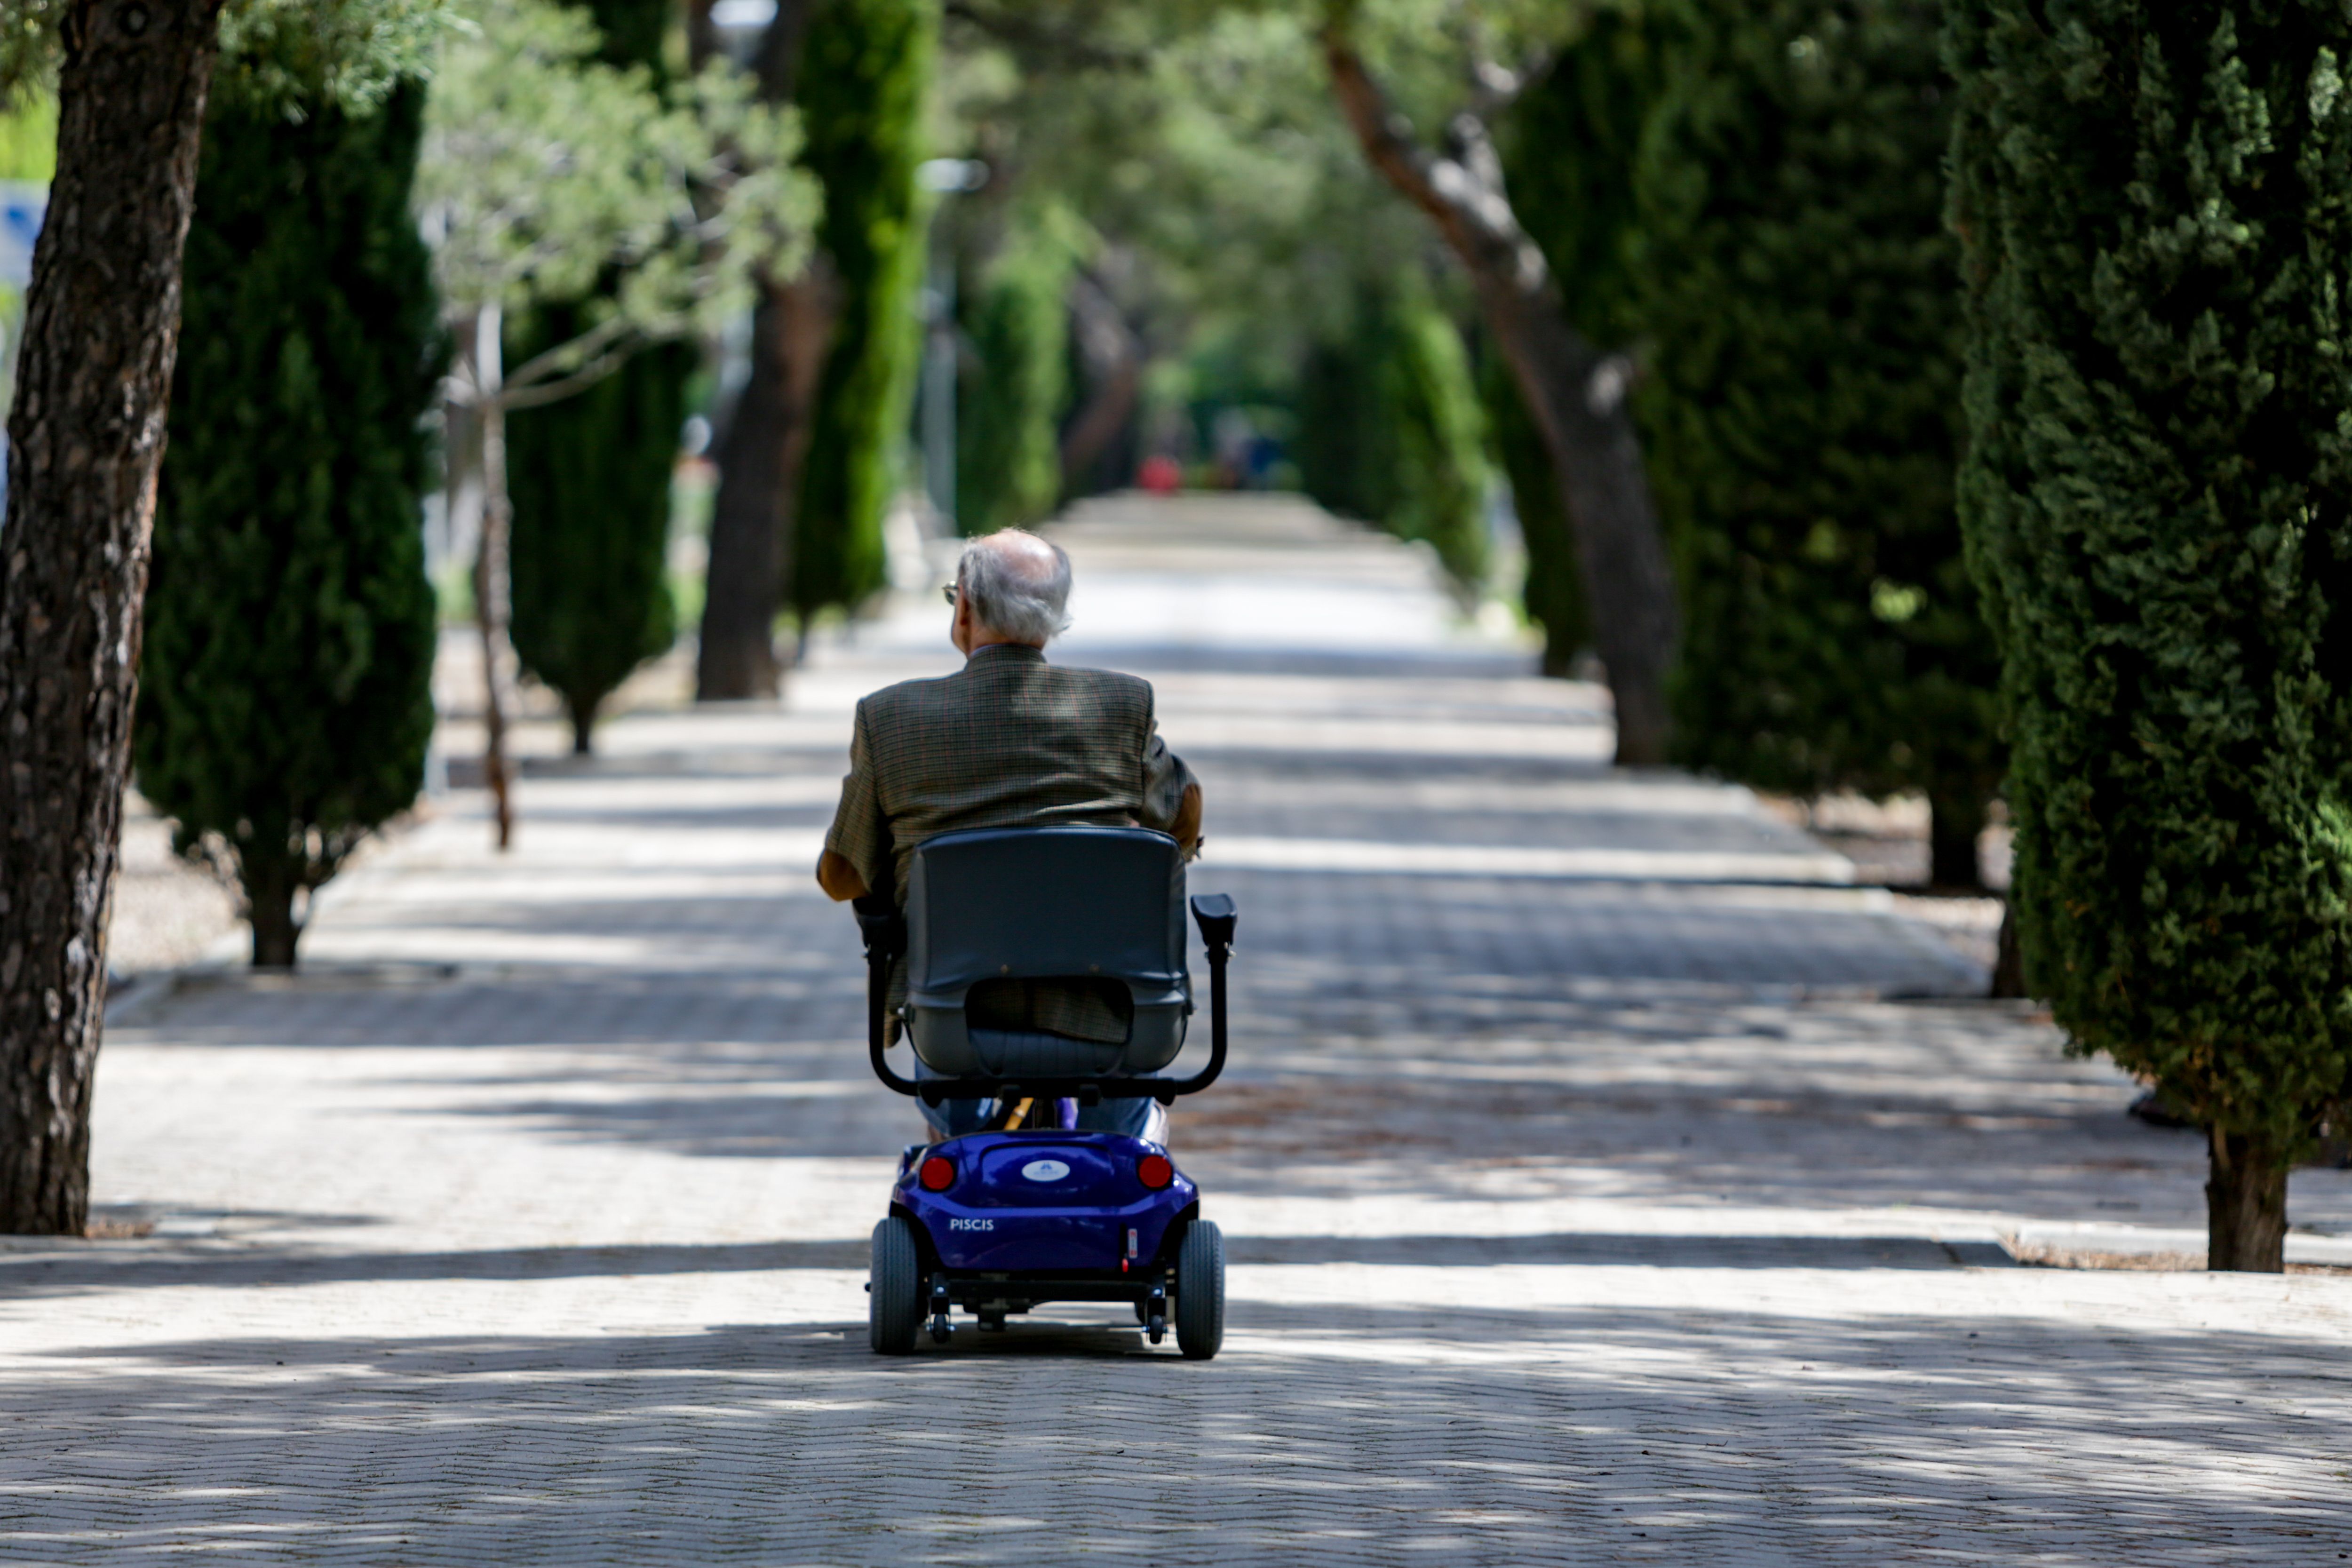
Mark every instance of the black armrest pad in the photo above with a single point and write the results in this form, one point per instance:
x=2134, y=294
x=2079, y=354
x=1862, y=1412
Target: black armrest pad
x=881, y=924
x=1214, y=914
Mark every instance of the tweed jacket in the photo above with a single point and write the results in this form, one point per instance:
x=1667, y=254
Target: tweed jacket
x=1009, y=740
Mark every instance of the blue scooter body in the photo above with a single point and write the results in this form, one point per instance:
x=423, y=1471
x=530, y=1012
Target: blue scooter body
x=1043, y=1202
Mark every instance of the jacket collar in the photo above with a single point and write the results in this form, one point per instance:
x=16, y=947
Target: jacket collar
x=1006, y=653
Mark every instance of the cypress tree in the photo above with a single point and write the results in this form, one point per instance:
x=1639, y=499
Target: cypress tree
x=588, y=480
x=2153, y=198
x=1008, y=451
x=285, y=705
x=1390, y=428
x=1797, y=297
x=865, y=73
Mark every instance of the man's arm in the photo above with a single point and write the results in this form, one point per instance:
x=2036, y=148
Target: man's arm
x=1172, y=795
x=859, y=840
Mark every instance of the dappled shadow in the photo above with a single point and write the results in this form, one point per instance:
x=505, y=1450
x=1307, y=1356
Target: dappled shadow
x=66, y=1269
x=1344, y=1431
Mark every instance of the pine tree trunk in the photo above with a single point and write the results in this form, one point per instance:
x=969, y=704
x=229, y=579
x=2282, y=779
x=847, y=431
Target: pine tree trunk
x=1953, y=829
x=85, y=438
x=1574, y=395
x=2245, y=1206
x=584, y=726
x=760, y=466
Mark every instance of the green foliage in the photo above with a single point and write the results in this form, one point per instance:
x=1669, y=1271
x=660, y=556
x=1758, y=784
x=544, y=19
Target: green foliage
x=589, y=480
x=1797, y=294
x=864, y=71
x=1008, y=453
x=1568, y=144
x=2157, y=206
x=1391, y=430
x=285, y=703
x=285, y=56
x=28, y=138
x=548, y=176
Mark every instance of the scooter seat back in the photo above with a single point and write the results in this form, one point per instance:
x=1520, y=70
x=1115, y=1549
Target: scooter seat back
x=1085, y=904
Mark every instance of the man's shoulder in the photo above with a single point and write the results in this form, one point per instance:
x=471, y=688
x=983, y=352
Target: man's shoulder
x=910, y=699
x=1105, y=681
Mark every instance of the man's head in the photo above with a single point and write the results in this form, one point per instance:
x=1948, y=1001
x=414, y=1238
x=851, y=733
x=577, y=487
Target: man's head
x=1011, y=587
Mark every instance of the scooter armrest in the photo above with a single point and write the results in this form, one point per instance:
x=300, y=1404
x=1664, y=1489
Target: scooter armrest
x=1215, y=915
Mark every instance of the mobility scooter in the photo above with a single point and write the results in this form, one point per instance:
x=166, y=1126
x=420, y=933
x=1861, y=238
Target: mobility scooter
x=1032, y=1208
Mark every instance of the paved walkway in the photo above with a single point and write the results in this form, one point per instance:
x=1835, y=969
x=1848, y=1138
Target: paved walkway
x=1605, y=1182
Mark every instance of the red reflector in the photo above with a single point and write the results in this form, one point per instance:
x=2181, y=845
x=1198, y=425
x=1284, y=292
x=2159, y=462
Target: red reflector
x=1154, y=1171
x=938, y=1173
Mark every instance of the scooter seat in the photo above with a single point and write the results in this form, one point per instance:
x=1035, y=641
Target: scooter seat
x=1015, y=1053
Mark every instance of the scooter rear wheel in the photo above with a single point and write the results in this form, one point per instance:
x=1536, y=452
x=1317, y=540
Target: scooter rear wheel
x=893, y=1303
x=1201, y=1291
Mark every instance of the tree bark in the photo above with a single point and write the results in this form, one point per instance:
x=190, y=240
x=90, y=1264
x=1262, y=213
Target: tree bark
x=2246, y=1205
x=491, y=582
x=269, y=888
x=760, y=465
x=1953, y=829
x=1574, y=395
x=85, y=438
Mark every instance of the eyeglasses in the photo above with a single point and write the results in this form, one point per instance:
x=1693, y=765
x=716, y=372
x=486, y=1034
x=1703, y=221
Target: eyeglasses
x=949, y=593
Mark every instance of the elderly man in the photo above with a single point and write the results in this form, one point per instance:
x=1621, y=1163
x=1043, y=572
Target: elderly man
x=1009, y=740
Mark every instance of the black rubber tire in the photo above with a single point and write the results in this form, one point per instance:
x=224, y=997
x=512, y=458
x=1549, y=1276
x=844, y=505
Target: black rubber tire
x=1201, y=1291
x=894, y=1305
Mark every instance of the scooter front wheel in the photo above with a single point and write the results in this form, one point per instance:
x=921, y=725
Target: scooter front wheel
x=894, y=1283
x=1201, y=1291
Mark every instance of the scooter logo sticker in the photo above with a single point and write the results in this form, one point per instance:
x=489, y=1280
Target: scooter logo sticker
x=1044, y=1170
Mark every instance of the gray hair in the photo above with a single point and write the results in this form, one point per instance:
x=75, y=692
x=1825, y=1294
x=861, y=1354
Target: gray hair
x=1008, y=594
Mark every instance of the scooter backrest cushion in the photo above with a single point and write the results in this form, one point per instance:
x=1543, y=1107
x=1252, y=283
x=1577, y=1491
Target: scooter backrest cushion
x=1038, y=902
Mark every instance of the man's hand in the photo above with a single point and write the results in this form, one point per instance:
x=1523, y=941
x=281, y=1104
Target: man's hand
x=842, y=883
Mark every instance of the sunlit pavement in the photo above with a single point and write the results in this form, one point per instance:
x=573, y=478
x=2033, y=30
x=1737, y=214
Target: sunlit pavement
x=1605, y=1181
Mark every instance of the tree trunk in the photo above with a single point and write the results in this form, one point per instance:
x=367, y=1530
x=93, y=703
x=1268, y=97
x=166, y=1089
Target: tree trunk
x=491, y=579
x=2008, y=957
x=1577, y=398
x=760, y=465
x=1114, y=359
x=269, y=889
x=2245, y=1206
x=1575, y=395
x=1953, y=829
x=584, y=726
x=85, y=439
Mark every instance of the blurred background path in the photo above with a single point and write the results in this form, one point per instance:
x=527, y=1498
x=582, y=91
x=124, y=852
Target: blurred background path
x=1608, y=1177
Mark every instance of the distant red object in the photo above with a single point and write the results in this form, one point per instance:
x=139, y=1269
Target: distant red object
x=1160, y=476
